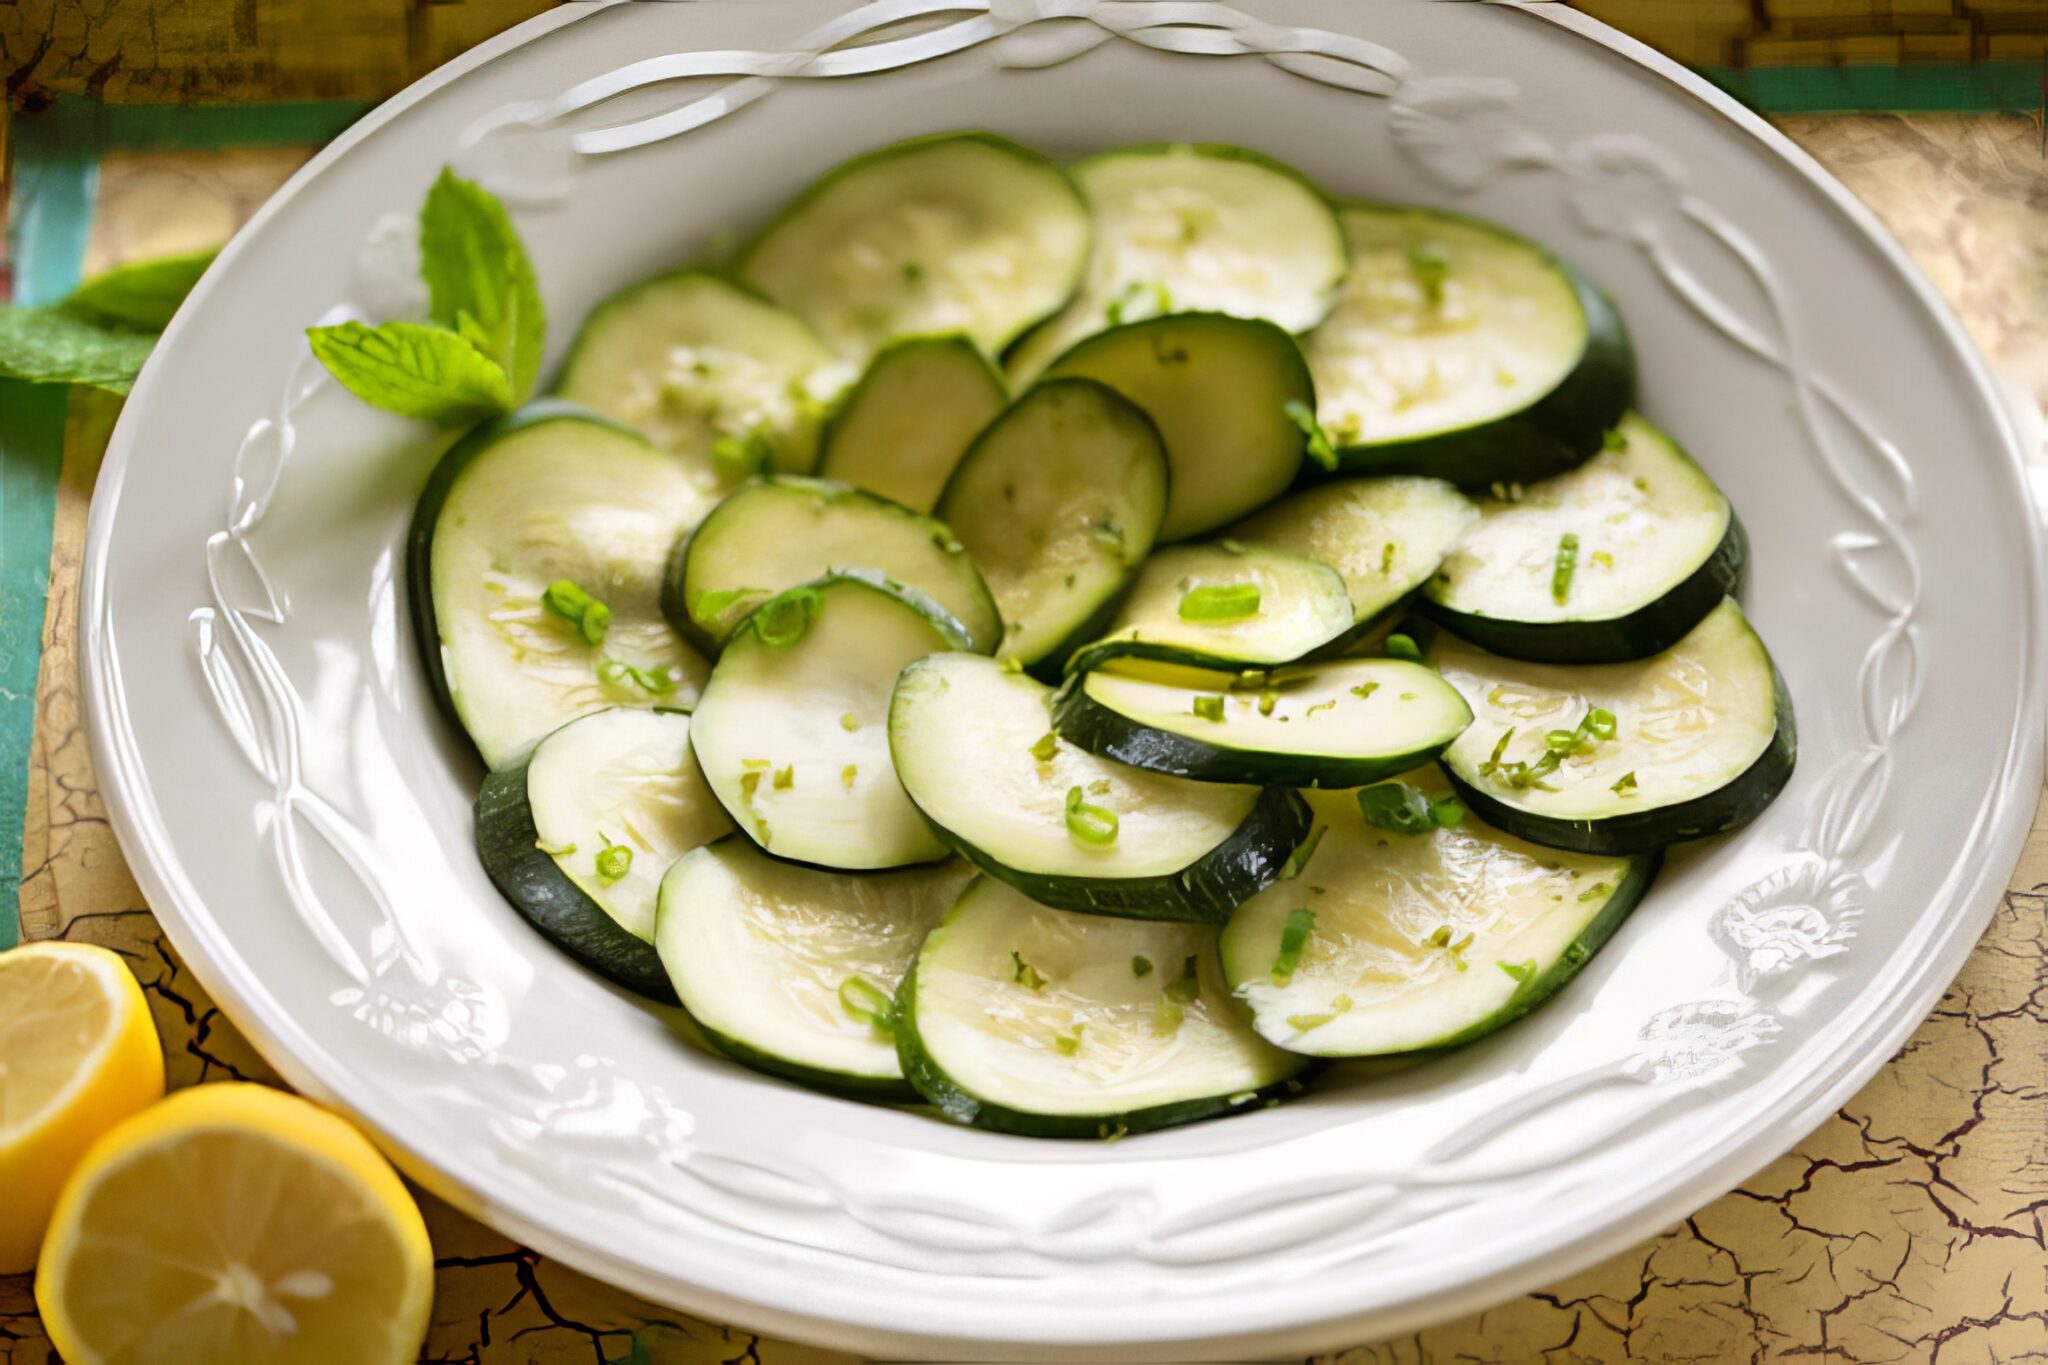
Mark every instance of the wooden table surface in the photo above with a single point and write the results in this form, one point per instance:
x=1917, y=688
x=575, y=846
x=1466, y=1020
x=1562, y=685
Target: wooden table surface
x=1912, y=1226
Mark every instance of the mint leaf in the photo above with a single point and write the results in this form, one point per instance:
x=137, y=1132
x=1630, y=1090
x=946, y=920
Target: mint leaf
x=412, y=370
x=142, y=295
x=479, y=280
x=54, y=346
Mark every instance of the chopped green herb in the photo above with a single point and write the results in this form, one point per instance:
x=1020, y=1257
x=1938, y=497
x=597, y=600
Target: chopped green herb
x=1603, y=559
x=1047, y=746
x=1596, y=725
x=710, y=604
x=1387, y=553
x=1400, y=646
x=1614, y=440
x=1447, y=811
x=1642, y=484
x=1319, y=447
x=1301, y=922
x=613, y=860
x=785, y=618
x=868, y=1003
x=1298, y=860
x=1365, y=689
x=1594, y=892
x=847, y=775
x=1320, y=706
x=1024, y=974
x=1220, y=602
x=656, y=682
x=1566, y=563
x=567, y=600
x=1626, y=786
x=1209, y=708
x=1396, y=806
x=1520, y=971
x=1089, y=824
x=849, y=722
x=1599, y=723
x=1302, y=1023
x=785, y=777
x=1141, y=966
x=554, y=850
x=1268, y=699
x=1429, y=265
x=1068, y=1043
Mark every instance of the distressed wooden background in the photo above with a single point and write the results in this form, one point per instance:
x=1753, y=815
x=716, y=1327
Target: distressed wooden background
x=1912, y=1226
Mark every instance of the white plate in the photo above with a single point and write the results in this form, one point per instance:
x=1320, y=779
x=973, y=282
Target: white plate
x=299, y=814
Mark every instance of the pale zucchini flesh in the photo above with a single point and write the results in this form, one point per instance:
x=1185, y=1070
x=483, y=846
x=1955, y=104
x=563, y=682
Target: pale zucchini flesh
x=1219, y=389
x=1196, y=228
x=902, y=430
x=1420, y=940
x=1058, y=502
x=961, y=232
x=793, y=734
x=519, y=505
x=1026, y=1019
x=709, y=371
x=1301, y=607
x=1385, y=536
x=780, y=532
x=786, y=967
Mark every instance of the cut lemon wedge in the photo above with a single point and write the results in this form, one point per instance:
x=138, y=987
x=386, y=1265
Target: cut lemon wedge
x=231, y=1225
x=78, y=1054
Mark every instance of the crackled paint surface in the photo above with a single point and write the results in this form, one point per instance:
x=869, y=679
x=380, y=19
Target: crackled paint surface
x=1912, y=1226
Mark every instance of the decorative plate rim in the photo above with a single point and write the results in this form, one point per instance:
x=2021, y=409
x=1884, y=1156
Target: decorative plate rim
x=1970, y=890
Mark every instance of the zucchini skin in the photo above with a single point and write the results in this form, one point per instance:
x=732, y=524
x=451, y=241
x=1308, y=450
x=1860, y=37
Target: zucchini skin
x=507, y=843
x=1108, y=733
x=1204, y=892
x=419, y=535
x=1553, y=435
x=1635, y=883
x=930, y=1080
x=870, y=1089
x=1650, y=629
x=1722, y=811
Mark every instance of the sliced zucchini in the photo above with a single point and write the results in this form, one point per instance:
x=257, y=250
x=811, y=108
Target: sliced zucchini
x=902, y=429
x=1385, y=537
x=1058, y=502
x=1182, y=228
x=1704, y=740
x=578, y=835
x=1421, y=940
x=974, y=746
x=1024, y=1019
x=1224, y=605
x=960, y=232
x=1461, y=350
x=1339, y=724
x=1219, y=389
x=792, y=729
x=710, y=371
x=791, y=970
x=547, y=495
x=780, y=532
x=1616, y=560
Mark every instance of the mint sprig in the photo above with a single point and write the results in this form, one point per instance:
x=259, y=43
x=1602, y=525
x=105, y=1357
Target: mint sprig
x=480, y=350
x=102, y=333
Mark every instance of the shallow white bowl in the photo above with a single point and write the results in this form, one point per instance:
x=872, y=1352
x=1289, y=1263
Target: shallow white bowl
x=299, y=815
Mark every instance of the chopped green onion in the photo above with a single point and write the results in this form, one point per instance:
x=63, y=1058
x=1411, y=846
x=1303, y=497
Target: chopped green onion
x=1396, y=806
x=1220, y=602
x=1069, y=1043
x=656, y=682
x=1566, y=564
x=785, y=777
x=1301, y=922
x=849, y=722
x=1520, y=971
x=1365, y=689
x=1319, y=447
x=1594, y=892
x=847, y=774
x=1089, y=824
x=1603, y=559
x=1141, y=966
x=785, y=618
x=1447, y=811
x=1298, y=860
x=1302, y=1023
x=613, y=860
x=1319, y=706
x=554, y=850
x=567, y=600
x=868, y=1003
x=1387, y=553
x=1209, y=708
x=1599, y=723
x=1047, y=746
x=1023, y=973
x=1429, y=265
x=1626, y=786
x=1404, y=647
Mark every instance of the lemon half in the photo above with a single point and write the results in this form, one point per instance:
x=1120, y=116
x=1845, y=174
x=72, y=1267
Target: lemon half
x=78, y=1054
x=234, y=1224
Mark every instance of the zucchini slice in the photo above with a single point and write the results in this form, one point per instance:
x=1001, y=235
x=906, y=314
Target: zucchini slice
x=1339, y=724
x=1058, y=502
x=1219, y=389
x=1704, y=740
x=791, y=970
x=902, y=429
x=577, y=836
x=974, y=746
x=960, y=232
x=780, y=532
x=1616, y=560
x=1461, y=350
x=1224, y=605
x=549, y=494
x=1184, y=228
x=792, y=729
x=1020, y=1018
x=1420, y=940
x=1385, y=537
x=708, y=370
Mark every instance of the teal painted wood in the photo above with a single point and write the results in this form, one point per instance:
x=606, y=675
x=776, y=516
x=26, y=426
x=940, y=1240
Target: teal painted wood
x=1931, y=87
